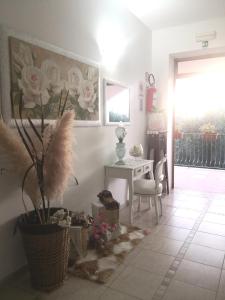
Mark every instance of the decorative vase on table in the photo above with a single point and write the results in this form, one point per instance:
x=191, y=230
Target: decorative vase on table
x=120, y=152
x=120, y=146
x=137, y=151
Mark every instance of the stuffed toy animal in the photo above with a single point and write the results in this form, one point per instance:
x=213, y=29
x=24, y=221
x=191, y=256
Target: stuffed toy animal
x=106, y=198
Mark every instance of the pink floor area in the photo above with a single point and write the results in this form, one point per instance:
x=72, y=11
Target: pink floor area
x=199, y=179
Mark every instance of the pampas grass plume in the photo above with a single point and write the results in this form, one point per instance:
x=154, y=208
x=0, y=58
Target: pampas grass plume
x=58, y=164
x=20, y=160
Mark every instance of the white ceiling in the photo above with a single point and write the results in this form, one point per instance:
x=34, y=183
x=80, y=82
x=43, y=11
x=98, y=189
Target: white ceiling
x=158, y=14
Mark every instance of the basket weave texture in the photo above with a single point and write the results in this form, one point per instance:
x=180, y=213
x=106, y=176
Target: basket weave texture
x=79, y=241
x=47, y=255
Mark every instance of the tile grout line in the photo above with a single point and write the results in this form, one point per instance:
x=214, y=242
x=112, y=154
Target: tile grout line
x=221, y=271
x=123, y=293
x=160, y=292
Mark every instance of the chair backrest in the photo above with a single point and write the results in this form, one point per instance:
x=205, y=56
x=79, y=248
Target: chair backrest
x=159, y=176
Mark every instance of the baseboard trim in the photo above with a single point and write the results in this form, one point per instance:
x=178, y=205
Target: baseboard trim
x=13, y=275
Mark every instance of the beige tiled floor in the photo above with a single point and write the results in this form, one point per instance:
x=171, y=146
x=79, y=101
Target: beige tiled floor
x=209, y=240
x=179, y=290
x=198, y=274
x=137, y=282
x=153, y=262
x=182, y=258
x=205, y=255
x=162, y=245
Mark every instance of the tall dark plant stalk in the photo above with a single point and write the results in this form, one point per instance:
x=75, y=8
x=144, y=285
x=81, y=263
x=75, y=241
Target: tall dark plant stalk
x=38, y=161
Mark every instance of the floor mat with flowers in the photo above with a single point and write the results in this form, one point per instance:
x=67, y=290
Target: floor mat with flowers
x=100, y=263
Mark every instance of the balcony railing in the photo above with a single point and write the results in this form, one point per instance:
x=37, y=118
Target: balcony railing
x=200, y=150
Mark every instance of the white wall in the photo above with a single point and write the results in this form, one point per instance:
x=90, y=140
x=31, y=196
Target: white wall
x=175, y=42
x=72, y=25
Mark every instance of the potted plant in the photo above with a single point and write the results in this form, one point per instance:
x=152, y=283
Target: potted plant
x=209, y=132
x=42, y=158
x=101, y=233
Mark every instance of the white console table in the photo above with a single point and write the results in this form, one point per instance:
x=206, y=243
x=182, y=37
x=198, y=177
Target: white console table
x=131, y=171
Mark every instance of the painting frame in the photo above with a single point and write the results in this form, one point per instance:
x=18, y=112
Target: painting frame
x=107, y=121
x=6, y=104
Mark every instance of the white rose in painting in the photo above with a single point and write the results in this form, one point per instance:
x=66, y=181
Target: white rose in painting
x=24, y=56
x=92, y=74
x=75, y=80
x=87, y=96
x=52, y=73
x=33, y=83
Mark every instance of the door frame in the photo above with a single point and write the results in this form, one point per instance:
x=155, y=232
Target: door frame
x=176, y=59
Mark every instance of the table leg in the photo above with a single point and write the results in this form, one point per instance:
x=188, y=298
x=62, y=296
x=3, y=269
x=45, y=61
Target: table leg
x=127, y=193
x=131, y=191
x=151, y=173
x=106, y=181
x=156, y=209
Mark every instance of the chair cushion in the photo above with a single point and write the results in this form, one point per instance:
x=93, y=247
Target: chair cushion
x=146, y=187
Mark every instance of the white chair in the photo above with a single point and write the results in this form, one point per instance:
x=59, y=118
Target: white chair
x=152, y=188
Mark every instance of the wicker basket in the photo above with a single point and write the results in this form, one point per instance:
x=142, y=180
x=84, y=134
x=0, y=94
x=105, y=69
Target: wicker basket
x=47, y=251
x=79, y=241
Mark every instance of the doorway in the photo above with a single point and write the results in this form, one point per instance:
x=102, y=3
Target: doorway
x=199, y=119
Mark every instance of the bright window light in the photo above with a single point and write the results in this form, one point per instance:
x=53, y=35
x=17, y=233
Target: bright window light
x=119, y=103
x=201, y=93
x=111, y=42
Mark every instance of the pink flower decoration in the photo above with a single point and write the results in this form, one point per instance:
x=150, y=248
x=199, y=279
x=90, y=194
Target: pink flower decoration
x=103, y=230
x=97, y=236
x=105, y=225
x=147, y=231
x=113, y=226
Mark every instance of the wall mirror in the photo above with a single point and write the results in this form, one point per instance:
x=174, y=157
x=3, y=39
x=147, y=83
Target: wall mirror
x=116, y=102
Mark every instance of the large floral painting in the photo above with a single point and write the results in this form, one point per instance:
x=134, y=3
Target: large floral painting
x=44, y=77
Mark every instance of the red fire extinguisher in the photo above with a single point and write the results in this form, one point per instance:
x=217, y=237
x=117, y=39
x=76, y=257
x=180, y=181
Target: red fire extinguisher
x=150, y=91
